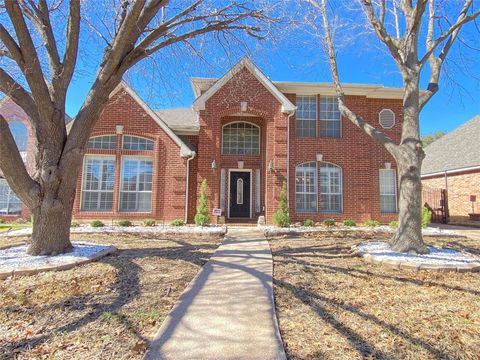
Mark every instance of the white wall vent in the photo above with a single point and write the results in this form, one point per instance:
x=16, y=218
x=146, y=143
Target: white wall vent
x=386, y=119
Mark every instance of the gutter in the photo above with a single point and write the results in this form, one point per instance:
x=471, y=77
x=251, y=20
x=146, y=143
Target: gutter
x=187, y=182
x=290, y=114
x=453, y=171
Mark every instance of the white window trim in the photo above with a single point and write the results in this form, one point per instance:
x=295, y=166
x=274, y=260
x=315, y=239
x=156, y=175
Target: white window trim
x=307, y=193
x=245, y=122
x=340, y=193
x=120, y=184
x=380, y=115
x=317, y=116
x=99, y=136
x=112, y=157
x=9, y=199
x=394, y=172
x=135, y=136
x=229, y=182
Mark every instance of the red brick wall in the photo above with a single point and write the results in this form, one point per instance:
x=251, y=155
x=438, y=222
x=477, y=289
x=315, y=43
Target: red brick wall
x=169, y=170
x=460, y=187
x=14, y=113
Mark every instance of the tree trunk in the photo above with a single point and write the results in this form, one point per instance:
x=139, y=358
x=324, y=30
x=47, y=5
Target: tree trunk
x=409, y=234
x=51, y=228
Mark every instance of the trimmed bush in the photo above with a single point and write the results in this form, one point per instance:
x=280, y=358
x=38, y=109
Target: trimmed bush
x=281, y=217
x=149, y=222
x=393, y=224
x=74, y=224
x=426, y=217
x=349, y=222
x=97, y=223
x=202, y=218
x=124, y=223
x=177, y=222
x=372, y=223
x=2, y=221
x=329, y=222
x=308, y=222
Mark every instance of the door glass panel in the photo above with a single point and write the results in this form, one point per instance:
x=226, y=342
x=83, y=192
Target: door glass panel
x=240, y=191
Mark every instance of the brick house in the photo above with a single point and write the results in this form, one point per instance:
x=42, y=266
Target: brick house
x=453, y=162
x=247, y=136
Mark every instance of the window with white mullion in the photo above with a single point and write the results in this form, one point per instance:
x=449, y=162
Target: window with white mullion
x=330, y=188
x=306, y=116
x=98, y=183
x=388, y=191
x=136, y=184
x=306, y=187
x=10, y=204
x=330, y=119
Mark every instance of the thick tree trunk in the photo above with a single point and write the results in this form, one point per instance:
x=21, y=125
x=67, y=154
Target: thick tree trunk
x=409, y=234
x=51, y=229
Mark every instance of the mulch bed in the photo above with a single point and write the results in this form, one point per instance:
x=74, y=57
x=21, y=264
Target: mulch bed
x=109, y=309
x=333, y=305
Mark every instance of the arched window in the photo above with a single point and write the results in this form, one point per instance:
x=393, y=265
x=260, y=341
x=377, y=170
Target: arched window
x=136, y=143
x=330, y=188
x=306, y=187
x=241, y=138
x=106, y=142
x=20, y=135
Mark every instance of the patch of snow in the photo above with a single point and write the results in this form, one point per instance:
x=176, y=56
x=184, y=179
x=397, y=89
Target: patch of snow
x=159, y=229
x=380, y=250
x=16, y=258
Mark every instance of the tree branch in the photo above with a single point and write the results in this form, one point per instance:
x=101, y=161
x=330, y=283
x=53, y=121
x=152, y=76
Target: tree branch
x=71, y=49
x=13, y=168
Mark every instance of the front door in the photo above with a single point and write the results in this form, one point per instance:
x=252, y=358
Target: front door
x=239, y=194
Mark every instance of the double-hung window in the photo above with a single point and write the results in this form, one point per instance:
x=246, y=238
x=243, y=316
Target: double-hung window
x=330, y=118
x=330, y=188
x=306, y=115
x=98, y=182
x=306, y=187
x=136, y=184
x=388, y=191
x=10, y=204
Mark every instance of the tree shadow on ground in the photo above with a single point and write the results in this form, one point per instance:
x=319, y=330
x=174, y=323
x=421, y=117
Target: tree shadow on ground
x=126, y=286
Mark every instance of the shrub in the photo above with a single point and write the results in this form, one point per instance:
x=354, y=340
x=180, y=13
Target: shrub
x=281, y=217
x=97, y=223
x=202, y=218
x=348, y=222
x=2, y=221
x=124, y=223
x=372, y=223
x=177, y=222
x=329, y=222
x=308, y=222
x=426, y=217
x=74, y=224
x=149, y=222
x=393, y=224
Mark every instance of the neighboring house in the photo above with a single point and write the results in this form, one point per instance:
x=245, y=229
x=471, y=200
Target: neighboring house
x=246, y=135
x=453, y=162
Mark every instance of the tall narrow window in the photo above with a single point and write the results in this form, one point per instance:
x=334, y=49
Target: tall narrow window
x=388, y=191
x=98, y=180
x=239, y=191
x=222, y=189
x=330, y=188
x=306, y=187
x=241, y=138
x=306, y=116
x=257, y=190
x=136, y=184
x=329, y=117
x=10, y=204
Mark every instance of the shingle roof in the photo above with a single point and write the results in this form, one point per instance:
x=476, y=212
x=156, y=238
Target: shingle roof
x=456, y=150
x=180, y=119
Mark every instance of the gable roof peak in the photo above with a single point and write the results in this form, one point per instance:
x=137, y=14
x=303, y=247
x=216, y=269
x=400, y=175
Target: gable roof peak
x=245, y=62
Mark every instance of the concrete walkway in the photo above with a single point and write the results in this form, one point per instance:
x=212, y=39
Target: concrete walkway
x=227, y=312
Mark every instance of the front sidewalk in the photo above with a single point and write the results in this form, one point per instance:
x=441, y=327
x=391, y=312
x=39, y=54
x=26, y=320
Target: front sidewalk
x=228, y=310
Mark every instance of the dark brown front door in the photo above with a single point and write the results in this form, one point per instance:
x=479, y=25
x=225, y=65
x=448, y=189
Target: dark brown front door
x=239, y=194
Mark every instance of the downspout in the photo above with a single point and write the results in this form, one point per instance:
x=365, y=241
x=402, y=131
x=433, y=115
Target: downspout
x=187, y=183
x=290, y=114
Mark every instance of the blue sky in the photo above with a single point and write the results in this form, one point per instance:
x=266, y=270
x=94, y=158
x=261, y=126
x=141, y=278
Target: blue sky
x=164, y=81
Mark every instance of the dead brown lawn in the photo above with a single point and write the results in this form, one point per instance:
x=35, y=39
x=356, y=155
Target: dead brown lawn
x=332, y=305
x=104, y=310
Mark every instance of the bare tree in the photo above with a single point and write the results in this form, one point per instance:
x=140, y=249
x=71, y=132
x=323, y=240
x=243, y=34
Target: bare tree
x=401, y=34
x=46, y=61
